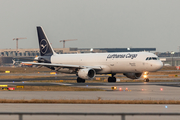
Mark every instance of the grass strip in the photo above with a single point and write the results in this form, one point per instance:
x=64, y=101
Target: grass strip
x=92, y=101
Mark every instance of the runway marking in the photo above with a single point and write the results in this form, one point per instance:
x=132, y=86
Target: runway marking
x=63, y=84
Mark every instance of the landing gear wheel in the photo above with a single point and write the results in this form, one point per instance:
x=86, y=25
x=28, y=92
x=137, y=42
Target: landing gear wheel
x=80, y=80
x=114, y=79
x=146, y=80
x=111, y=79
x=83, y=81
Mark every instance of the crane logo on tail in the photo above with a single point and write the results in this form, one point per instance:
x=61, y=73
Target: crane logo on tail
x=44, y=46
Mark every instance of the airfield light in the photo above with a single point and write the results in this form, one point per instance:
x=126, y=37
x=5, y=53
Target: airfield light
x=145, y=76
x=126, y=88
x=145, y=73
x=91, y=49
x=114, y=88
x=120, y=89
x=11, y=89
x=142, y=89
x=172, y=52
x=161, y=89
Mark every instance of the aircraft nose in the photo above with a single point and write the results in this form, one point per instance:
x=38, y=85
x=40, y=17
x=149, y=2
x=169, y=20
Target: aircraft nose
x=159, y=65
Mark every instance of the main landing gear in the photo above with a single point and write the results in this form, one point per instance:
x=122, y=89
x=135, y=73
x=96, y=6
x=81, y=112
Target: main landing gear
x=112, y=79
x=80, y=80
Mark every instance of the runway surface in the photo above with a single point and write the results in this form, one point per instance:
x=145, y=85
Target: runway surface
x=95, y=108
x=130, y=91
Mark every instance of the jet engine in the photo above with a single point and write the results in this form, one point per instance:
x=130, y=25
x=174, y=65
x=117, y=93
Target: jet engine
x=133, y=75
x=86, y=73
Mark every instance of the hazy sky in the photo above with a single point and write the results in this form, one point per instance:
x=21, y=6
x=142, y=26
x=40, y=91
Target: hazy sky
x=95, y=23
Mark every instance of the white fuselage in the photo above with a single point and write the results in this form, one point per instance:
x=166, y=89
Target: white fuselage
x=118, y=62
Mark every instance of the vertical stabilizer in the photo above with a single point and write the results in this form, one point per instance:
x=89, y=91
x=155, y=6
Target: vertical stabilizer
x=44, y=44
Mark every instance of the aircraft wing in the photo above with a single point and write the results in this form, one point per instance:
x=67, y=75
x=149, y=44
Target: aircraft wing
x=64, y=65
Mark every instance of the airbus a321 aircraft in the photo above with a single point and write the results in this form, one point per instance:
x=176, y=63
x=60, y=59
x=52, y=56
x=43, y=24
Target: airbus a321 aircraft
x=86, y=66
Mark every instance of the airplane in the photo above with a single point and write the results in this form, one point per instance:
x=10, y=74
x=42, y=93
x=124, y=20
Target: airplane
x=87, y=65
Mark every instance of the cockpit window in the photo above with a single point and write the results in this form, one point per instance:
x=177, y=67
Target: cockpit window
x=152, y=58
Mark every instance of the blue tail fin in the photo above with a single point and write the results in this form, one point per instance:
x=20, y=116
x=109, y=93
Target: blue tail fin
x=44, y=44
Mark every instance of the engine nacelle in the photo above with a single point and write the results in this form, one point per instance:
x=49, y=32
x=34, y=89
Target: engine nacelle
x=133, y=75
x=86, y=73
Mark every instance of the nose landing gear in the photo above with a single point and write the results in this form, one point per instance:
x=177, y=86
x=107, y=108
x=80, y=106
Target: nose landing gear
x=146, y=80
x=145, y=76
